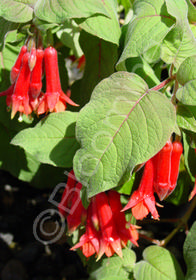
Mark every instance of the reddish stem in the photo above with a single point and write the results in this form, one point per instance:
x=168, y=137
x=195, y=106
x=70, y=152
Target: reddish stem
x=164, y=83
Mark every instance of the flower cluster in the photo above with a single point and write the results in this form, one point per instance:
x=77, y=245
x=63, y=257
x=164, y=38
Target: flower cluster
x=25, y=93
x=107, y=230
x=160, y=176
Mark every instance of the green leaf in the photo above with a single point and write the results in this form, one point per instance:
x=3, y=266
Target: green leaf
x=14, y=11
x=126, y=188
x=69, y=36
x=106, y=28
x=191, y=11
x=27, y=2
x=101, y=57
x=186, y=94
x=191, y=139
x=182, y=191
x=114, y=268
x=123, y=125
x=186, y=117
x=52, y=140
x=23, y=165
x=14, y=159
x=140, y=66
x=158, y=264
x=180, y=42
x=147, y=29
x=189, y=156
x=187, y=70
x=5, y=27
x=189, y=251
x=57, y=11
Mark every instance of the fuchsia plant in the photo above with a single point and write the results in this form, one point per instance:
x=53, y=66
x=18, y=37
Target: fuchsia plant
x=129, y=68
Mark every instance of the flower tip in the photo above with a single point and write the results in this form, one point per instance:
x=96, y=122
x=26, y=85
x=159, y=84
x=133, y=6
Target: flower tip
x=162, y=192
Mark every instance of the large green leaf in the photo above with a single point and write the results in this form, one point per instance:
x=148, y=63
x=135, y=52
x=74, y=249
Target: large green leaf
x=124, y=124
x=52, y=140
x=19, y=162
x=106, y=28
x=114, y=268
x=189, y=251
x=186, y=117
x=186, y=76
x=191, y=11
x=187, y=70
x=14, y=11
x=180, y=42
x=158, y=264
x=101, y=57
x=147, y=29
x=186, y=94
x=5, y=27
x=57, y=11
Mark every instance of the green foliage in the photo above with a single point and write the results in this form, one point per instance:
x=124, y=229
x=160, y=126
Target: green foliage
x=106, y=28
x=158, y=264
x=52, y=140
x=180, y=41
x=186, y=117
x=114, y=267
x=15, y=11
x=58, y=11
x=127, y=127
x=190, y=253
x=146, y=31
x=101, y=57
x=189, y=157
x=187, y=70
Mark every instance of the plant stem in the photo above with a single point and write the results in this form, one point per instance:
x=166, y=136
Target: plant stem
x=164, y=83
x=173, y=99
x=182, y=223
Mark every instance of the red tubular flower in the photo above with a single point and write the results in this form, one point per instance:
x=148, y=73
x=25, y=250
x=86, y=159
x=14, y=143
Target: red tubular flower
x=16, y=68
x=54, y=100
x=162, y=165
x=175, y=163
x=36, y=75
x=67, y=196
x=8, y=93
x=106, y=228
x=71, y=205
x=89, y=241
x=20, y=98
x=77, y=213
x=124, y=230
x=110, y=241
x=142, y=200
